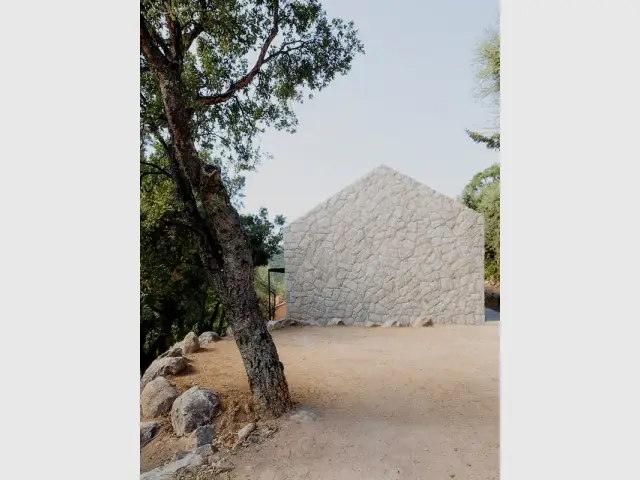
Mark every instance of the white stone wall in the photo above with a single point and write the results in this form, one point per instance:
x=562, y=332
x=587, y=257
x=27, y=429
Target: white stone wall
x=386, y=248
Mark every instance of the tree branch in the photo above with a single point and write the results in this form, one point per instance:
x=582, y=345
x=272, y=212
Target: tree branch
x=246, y=80
x=285, y=51
x=175, y=34
x=190, y=37
x=152, y=46
x=158, y=168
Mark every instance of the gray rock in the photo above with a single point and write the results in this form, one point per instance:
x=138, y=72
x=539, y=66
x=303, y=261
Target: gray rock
x=180, y=455
x=278, y=324
x=192, y=409
x=201, y=436
x=422, y=322
x=163, y=367
x=245, y=431
x=148, y=431
x=175, y=351
x=157, y=397
x=369, y=323
x=189, y=462
x=208, y=337
x=205, y=451
x=335, y=322
x=223, y=465
x=190, y=344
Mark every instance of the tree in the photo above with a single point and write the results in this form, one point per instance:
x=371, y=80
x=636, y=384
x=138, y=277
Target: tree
x=264, y=243
x=488, y=77
x=202, y=102
x=482, y=194
x=175, y=295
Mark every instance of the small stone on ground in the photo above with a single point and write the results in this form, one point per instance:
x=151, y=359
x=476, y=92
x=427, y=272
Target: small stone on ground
x=148, y=431
x=245, y=431
x=190, y=461
x=303, y=414
x=202, y=436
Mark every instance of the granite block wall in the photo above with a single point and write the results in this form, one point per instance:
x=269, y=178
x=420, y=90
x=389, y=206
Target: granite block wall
x=386, y=248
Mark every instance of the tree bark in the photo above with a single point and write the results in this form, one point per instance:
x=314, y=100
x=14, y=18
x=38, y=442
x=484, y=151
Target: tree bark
x=223, y=247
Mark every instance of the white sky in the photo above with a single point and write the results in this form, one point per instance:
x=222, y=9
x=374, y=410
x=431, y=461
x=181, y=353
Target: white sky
x=406, y=103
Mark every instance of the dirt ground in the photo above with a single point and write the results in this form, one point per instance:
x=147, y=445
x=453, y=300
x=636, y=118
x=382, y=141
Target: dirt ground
x=392, y=403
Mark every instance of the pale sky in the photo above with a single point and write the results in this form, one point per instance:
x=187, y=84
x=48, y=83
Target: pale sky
x=406, y=103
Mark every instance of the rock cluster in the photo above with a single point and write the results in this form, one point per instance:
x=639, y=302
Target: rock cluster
x=163, y=367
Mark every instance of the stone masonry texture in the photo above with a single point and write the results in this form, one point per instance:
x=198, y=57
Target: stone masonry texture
x=386, y=248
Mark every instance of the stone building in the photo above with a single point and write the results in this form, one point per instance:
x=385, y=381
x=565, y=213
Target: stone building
x=386, y=248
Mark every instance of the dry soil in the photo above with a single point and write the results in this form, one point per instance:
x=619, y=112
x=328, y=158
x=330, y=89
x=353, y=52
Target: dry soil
x=392, y=403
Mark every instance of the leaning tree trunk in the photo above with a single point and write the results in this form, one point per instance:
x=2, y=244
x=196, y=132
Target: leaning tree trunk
x=225, y=252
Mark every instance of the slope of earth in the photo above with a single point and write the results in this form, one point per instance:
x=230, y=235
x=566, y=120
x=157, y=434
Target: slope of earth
x=391, y=403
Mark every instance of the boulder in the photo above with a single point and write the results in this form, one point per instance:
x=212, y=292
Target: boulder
x=205, y=451
x=174, y=351
x=157, y=397
x=208, y=337
x=148, y=431
x=422, y=322
x=201, y=436
x=192, y=409
x=163, y=367
x=190, y=344
x=188, y=462
x=245, y=431
x=391, y=323
x=369, y=323
x=335, y=322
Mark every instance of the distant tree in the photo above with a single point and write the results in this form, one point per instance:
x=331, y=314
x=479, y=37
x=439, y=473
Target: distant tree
x=264, y=239
x=488, y=76
x=482, y=194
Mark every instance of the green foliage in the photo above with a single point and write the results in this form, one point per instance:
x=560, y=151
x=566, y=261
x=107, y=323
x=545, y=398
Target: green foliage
x=235, y=85
x=175, y=295
x=492, y=142
x=482, y=194
x=309, y=51
x=488, y=77
x=264, y=242
x=488, y=68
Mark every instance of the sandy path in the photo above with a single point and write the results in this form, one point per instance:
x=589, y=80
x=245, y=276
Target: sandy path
x=393, y=403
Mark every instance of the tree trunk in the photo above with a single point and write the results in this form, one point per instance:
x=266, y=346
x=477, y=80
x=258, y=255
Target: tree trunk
x=225, y=252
